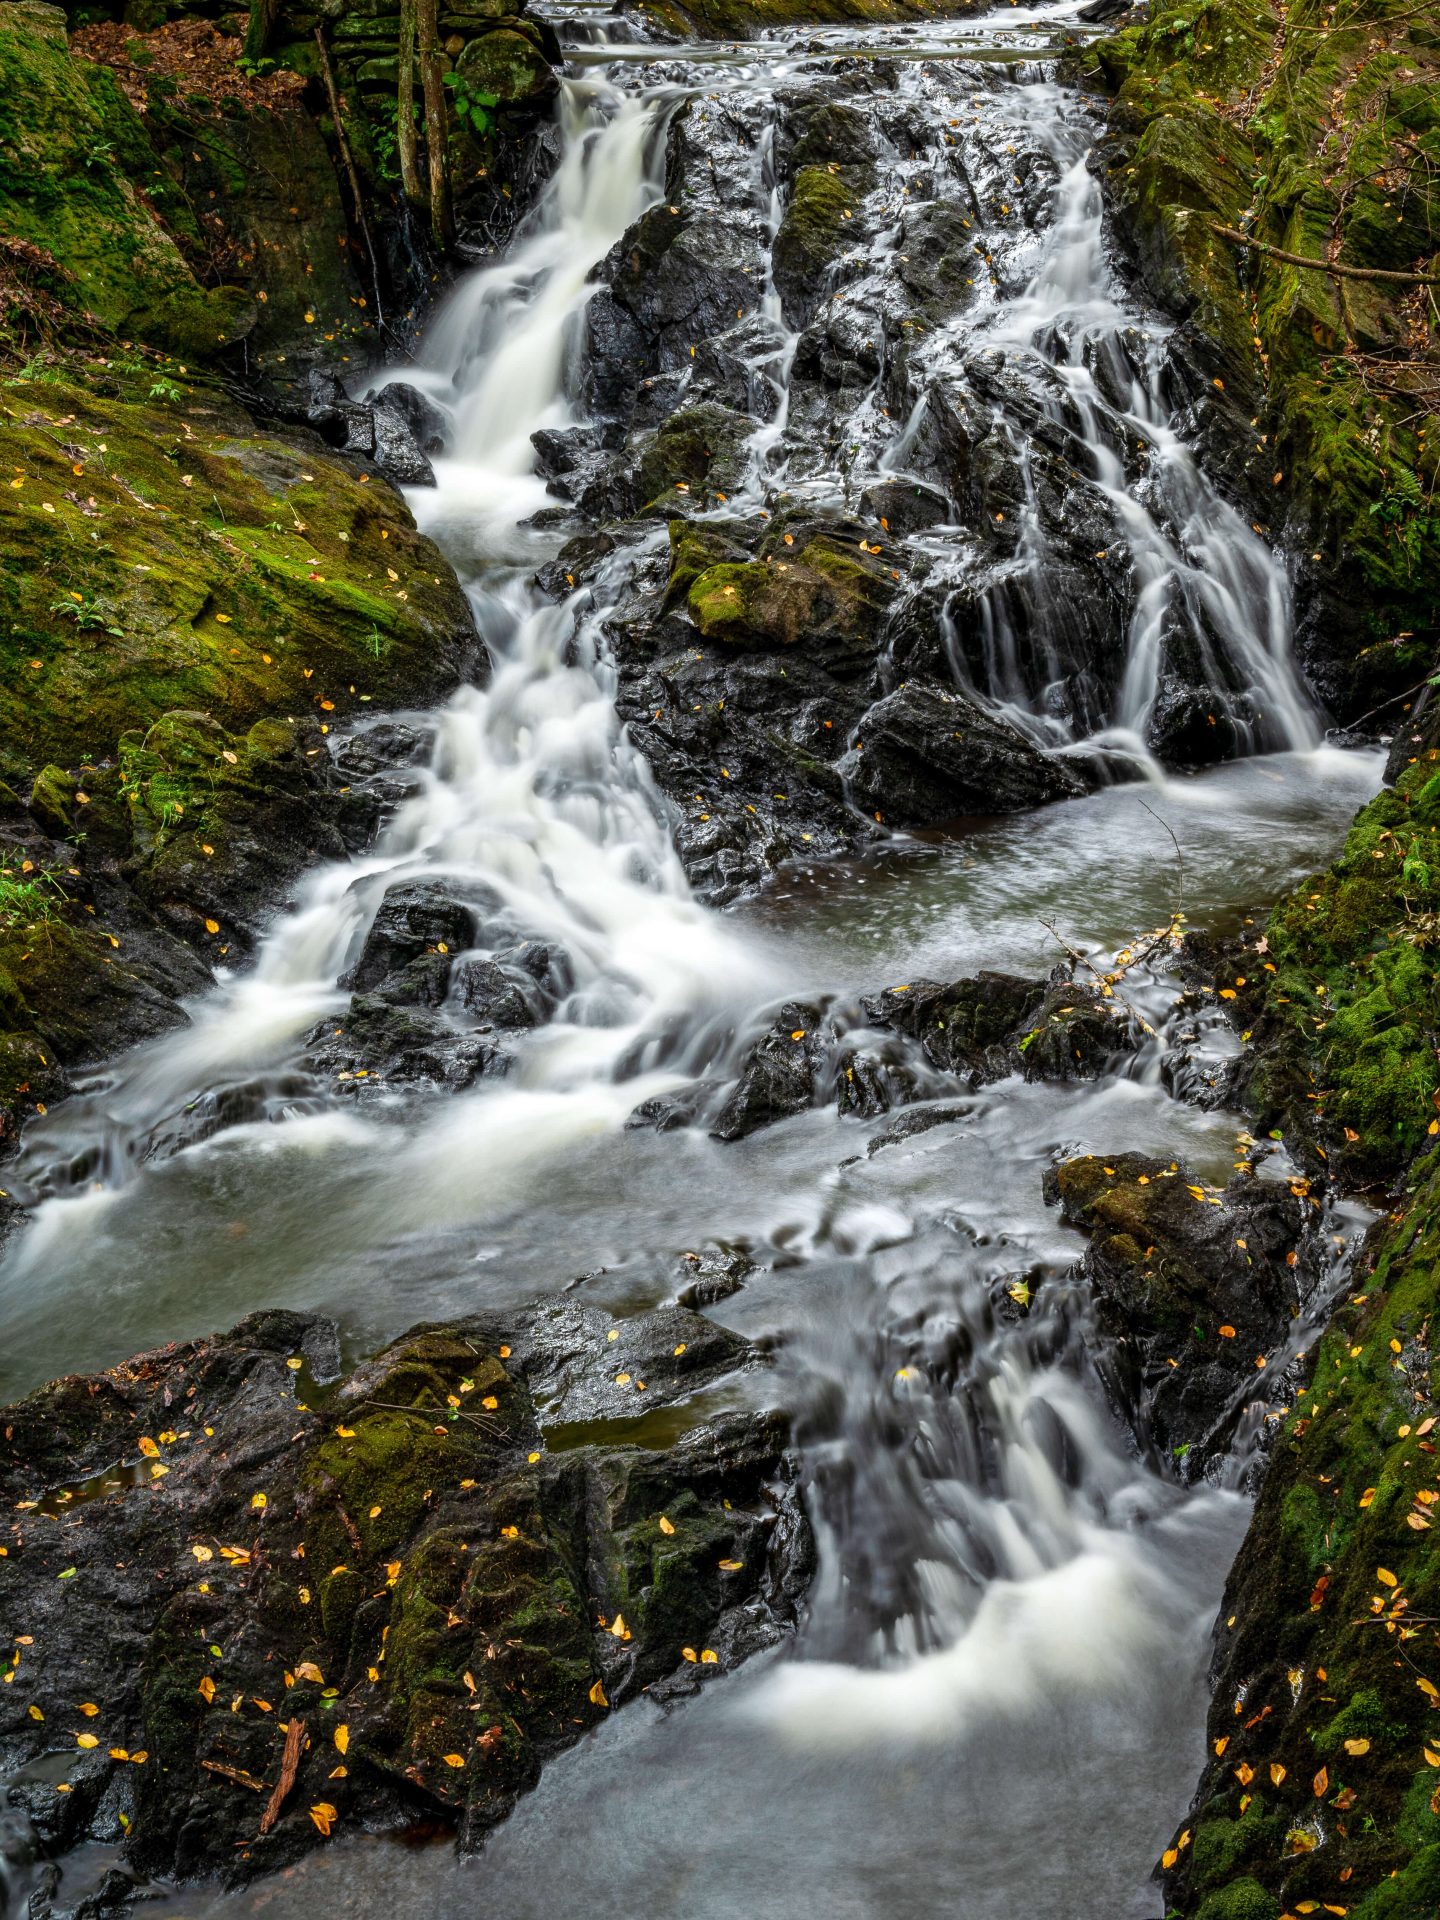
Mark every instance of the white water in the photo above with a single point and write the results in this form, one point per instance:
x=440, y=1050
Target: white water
x=1012, y=1608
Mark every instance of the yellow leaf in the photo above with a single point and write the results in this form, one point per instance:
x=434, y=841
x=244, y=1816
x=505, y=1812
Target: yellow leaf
x=1168, y=1858
x=1432, y=1759
x=202, y=1553
x=375, y=1512
x=490, y=1403
x=532, y=1458
x=1357, y=1747
x=89, y=1709
x=597, y=1696
x=346, y=1433
x=307, y=1670
x=689, y=1654
x=731, y=1566
x=618, y=1627
x=666, y=1526
x=1385, y=1577
x=709, y=1658
x=1321, y=1783
x=257, y=1500
x=342, y=1739
x=148, y=1447
x=454, y=1759
x=324, y=1816
x=212, y=926
x=1429, y=1687
x=1221, y=1744
x=86, y=1740
x=1277, y=1773
x=1244, y=1773
x=35, y=1713
x=207, y=1689
x=119, y=1753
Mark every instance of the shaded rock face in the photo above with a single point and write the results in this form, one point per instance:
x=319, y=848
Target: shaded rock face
x=1195, y=1286
x=232, y=1555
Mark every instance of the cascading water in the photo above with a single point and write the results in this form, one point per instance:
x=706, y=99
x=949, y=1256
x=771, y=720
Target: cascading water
x=1007, y=1630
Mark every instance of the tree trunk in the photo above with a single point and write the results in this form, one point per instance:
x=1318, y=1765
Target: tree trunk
x=406, y=140
x=432, y=82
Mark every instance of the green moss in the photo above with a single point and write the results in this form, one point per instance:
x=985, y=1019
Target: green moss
x=1242, y=1900
x=74, y=160
x=816, y=225
x=1351, y=993
x=1307, y=127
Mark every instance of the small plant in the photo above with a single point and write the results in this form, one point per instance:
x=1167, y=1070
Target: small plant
x=27, y=893
x=472, y=109
x=99, y=154
x=165, y=390
x=378, y=643
x=88, y=610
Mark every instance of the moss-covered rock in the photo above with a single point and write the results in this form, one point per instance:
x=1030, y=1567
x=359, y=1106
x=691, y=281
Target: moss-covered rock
x=815, y=231
x=77, y=172
x=1340, y=995
x=189, y=607
x=1320, y=1787
x=824, y=597
x=396, y=1575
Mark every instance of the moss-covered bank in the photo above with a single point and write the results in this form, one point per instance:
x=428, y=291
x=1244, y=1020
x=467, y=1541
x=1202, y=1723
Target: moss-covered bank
x=1317, y=130
x=189, y=603
x=1320, y=1790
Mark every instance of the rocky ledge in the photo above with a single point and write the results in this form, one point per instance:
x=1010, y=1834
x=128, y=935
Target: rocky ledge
x=258, y=1601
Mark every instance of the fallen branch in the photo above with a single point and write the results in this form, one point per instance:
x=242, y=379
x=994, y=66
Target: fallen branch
x=1325, y=266
x=289, y=1767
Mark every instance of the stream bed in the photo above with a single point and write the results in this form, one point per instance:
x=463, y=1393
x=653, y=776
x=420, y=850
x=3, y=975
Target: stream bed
x=994, y=1705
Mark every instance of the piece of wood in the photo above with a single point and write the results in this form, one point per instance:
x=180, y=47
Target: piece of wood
x=1333, y=268
x=432, y=84
x=347, y=159
x=237, y=1774
x=406, y=139
x=289, y=1767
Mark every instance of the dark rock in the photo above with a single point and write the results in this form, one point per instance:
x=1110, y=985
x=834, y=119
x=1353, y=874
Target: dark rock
x=927, y=755
x=1193, y=1285
x=782, y=1075
x=400, y=1558
x=712, y=1275
x=416, y=920
x=396, y=453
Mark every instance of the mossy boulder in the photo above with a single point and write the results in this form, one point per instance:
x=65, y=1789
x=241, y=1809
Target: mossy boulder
x=698, y=453
x=508, y=64
x=397, y=1578
x=817, y=227
x=824, y=597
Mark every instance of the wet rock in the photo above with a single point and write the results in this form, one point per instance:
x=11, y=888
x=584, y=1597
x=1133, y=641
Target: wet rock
x=418, y=922
x=583, y=1365
x=820, y=223
x=782, y=1074
x=712, y=1275
x=964, y=1028
x=409, y=1593
x=396, y=453
x=1194, y=1285
x=376, y=1041
x=926, y=754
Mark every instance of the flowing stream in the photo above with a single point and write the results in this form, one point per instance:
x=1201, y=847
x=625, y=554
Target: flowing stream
x=996, y=1698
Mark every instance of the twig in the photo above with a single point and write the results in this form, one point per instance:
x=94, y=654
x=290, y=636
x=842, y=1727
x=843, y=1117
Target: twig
x=1179, y=859
x=237, y=1774
x=1324, y=266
